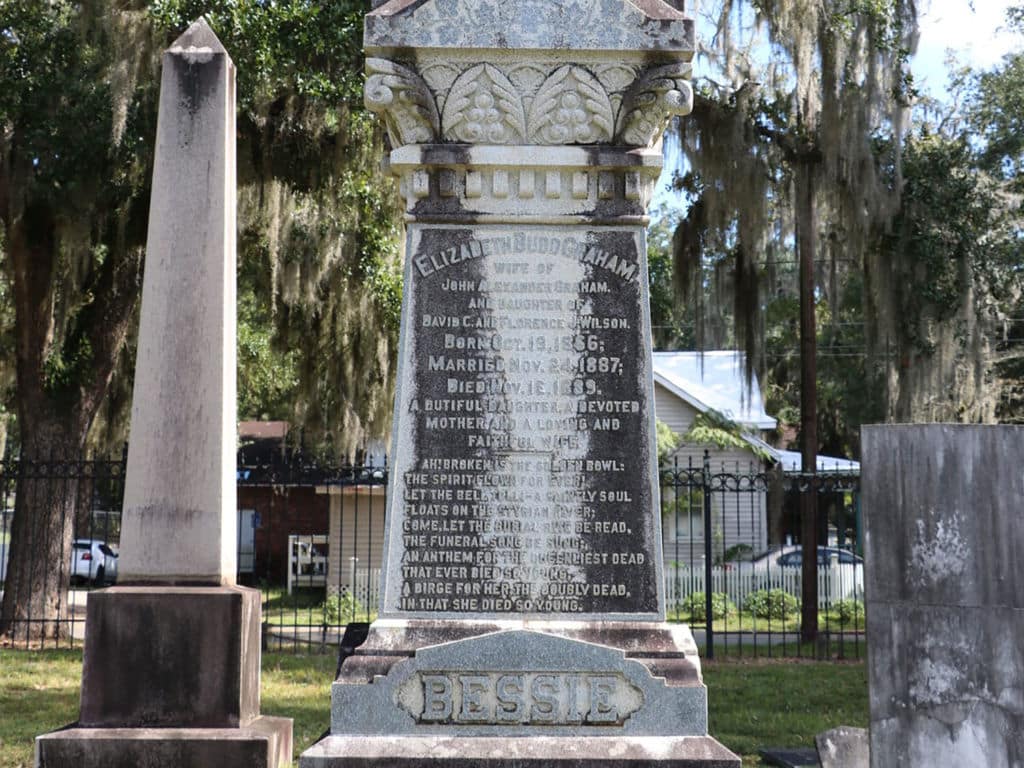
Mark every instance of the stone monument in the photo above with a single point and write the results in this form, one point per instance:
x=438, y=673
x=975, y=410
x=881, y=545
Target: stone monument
x=523, y=610
x=945, y=594
x=171, y=672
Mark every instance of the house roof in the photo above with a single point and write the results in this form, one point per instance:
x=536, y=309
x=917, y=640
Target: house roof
x=713, y=381
x=263, y=430
x=791, y=462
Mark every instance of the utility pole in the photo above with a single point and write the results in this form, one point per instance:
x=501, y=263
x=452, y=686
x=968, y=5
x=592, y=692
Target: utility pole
x=806, y=231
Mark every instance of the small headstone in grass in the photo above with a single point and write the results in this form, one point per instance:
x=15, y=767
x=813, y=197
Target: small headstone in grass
x=789, y=758
x=843, y=747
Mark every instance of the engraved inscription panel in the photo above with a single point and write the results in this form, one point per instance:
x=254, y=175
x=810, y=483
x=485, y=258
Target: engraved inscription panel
x=522, y=476
x=467, y=697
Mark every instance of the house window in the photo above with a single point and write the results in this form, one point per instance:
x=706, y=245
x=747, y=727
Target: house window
x=682, y=513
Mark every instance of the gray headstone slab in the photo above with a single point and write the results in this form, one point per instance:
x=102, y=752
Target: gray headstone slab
x=519, y=683
x=843, y=747
x=522, y=461
x=943, y=540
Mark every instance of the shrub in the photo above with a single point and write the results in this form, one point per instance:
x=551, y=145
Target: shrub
x=849, y=611
x=772, y=604
x=694, y=604
x=341, y=609
x=738, y=553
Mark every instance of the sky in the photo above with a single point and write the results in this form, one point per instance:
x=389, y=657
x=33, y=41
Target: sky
x=974, y=30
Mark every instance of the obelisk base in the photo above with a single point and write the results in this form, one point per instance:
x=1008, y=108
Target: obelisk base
x=170, y=678
x=518, y=693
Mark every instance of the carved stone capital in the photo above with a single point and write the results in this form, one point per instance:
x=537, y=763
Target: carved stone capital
x=539, y=102
x=401, y=96
x=655, y=96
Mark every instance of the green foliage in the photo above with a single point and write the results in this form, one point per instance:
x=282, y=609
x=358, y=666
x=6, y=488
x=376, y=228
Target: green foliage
x=996, y=116
x=342, y=608
x=738, y=553
x=771, y=604
x=267, y=375
x=849, y=611
x=667, y=441
x=714, y=428
x=694, y=606
x=671, y=322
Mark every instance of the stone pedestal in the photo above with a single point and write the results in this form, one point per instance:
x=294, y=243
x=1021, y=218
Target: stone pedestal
x=523, y=609
x=171, y=657
x=170, y=678
x=266, y=742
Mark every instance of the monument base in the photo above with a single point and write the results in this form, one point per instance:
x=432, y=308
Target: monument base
x=499, y=693
x=510, y=752
x=170, y=678
x=266, y=742
x=667, y=650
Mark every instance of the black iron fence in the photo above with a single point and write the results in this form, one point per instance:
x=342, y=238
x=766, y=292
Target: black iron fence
x=736, y=528
x=310, y=537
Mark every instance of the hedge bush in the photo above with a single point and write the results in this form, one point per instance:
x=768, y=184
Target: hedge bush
x=693, y=606
x=772, y=604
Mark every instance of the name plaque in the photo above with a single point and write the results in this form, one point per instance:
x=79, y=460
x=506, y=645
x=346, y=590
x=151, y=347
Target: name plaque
x=512, y=698
x=522, y=476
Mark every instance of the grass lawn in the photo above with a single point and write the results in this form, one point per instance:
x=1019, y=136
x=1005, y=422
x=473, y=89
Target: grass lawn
x=753, y=703
x=305, y=607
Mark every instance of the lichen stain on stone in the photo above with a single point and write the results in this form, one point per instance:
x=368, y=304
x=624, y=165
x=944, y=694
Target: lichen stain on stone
x=933, y=683
x=939, y=556
x=198, y=75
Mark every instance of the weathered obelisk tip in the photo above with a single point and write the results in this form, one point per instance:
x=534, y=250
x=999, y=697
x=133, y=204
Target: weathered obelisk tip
x=198, y=37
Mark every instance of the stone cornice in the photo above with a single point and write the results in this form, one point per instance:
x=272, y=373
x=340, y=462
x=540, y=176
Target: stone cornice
x=568, y=25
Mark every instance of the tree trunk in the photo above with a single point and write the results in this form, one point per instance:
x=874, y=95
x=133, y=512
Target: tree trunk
x=807, y=230
x=35, y=604
x=55, y=413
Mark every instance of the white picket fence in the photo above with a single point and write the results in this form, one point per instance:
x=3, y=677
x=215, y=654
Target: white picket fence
x=737, y=580
x=364, y=584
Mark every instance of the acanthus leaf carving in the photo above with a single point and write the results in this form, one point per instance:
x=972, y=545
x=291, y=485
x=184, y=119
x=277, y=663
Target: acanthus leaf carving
x=483, y=107
x=401, y=96
x=571, y=107
x=658, y=94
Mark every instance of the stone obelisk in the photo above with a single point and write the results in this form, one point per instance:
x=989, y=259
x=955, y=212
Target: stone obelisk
x=171, y=671
x=523, y=611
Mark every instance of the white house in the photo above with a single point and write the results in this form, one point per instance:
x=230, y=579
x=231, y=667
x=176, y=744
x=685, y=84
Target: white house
x=687, y=384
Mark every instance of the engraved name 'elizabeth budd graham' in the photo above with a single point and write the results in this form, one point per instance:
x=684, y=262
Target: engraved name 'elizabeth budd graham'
x=525, y=411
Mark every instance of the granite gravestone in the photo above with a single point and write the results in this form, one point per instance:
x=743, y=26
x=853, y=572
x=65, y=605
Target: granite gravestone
x=522, y=601
x=945, y=594
x=171, y=670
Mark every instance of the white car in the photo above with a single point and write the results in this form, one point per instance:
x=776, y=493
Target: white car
x=93, y=561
